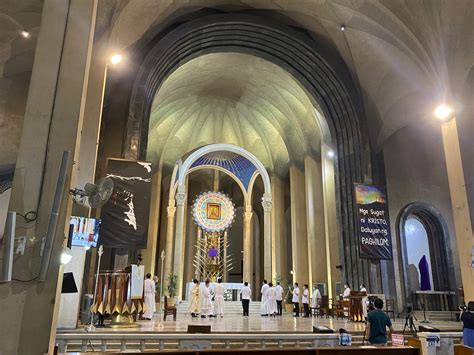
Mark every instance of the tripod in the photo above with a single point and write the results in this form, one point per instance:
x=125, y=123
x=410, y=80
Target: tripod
x=409, y=322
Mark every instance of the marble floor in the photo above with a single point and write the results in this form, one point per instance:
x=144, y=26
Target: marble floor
x=256, y=324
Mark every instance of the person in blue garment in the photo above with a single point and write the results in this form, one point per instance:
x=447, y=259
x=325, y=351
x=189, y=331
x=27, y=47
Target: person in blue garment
x=467, y=318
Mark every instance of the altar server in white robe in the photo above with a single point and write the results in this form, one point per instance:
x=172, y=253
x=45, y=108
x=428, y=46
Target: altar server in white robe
x=271, y=300
x=195, y=299
x=345, y=296
x=219, y=299
x=264, y=301
x=150, y=305
x=206, y=304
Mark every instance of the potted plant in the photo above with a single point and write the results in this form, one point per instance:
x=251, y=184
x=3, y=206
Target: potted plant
x=172, y=280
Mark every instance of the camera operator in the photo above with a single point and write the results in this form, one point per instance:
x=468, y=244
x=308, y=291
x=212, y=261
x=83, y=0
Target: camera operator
x=467, y=318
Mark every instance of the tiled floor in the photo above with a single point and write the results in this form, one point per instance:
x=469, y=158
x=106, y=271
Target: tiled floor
x=255, y=323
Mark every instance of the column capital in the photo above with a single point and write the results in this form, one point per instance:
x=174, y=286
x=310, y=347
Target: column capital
x=267, y=202
x=248, y=215
x=171, y=211
x=180, y=198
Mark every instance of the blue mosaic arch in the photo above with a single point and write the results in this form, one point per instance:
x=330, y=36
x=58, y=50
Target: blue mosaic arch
x=234, y=163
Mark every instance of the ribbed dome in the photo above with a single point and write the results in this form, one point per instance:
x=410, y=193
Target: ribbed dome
x=237, y=99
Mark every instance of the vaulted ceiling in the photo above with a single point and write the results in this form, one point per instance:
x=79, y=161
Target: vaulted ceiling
x=238, y=99
x=404, y=56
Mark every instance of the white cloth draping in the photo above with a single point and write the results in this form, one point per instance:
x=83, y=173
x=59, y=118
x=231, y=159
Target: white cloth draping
x=150, y=305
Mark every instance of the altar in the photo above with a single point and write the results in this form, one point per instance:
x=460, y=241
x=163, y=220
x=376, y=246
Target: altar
x=232, y=290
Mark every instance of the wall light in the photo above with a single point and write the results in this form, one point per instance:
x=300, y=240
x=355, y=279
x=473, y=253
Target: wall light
x=343, y=27
x=66, y=256
x=331, y=154
x=443, y=112
x=25, y=34
x=116, y=58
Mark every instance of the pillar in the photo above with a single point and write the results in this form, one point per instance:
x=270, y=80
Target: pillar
x=190, y=251
x=279, y=262
x=299, y=239
x=330, y=222
x=256, y=257
x=171, y=211
x=52, y=124
x=460, y=206
x=197, y=270
x=267, y=236
x=315, y=222
x=247, y=246
x=149, y=254
x=178, y=262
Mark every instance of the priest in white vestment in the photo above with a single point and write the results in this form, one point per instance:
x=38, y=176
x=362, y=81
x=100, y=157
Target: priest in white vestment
x=271, y=300
x=219, y=298
x=195, y=299
x=206, y=303
x=150, y=305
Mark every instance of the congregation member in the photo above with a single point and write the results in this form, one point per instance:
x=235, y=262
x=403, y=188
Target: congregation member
x=263, y=304
x=150, y=305
x=279, y=298
x=195, y=299
x=206, y=303
x=271, y=300
x=245, y=295
x=377, y=323
x=305, y=301
x=467, y=318
x=296, y=300
x=219, y=298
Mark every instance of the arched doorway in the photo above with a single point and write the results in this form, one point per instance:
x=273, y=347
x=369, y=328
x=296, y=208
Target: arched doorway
x=426, y=255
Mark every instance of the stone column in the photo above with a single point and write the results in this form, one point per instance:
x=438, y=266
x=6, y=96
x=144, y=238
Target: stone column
x=52, y=123
x=149, y=254
x=279, y=262
x=197, y=271
x=330, y=222
x=247, y=246
x=315, y=222
x=178, y=262
x=267, y=236
x=460, y=205
x=171, y=211
x=190, y=251
x=299, y=239
x=257, y=255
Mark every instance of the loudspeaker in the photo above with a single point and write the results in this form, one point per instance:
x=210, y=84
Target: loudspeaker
x=321, y=329
x=202, y=329
x=69, y=285
x=427, y=328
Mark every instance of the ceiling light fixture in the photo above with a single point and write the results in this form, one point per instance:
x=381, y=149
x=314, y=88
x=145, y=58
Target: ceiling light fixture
x=443, y=112
x=116, y=58
x=343, y=27
x=25, y=34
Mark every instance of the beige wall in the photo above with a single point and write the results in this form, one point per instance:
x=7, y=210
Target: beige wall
x=416, y=172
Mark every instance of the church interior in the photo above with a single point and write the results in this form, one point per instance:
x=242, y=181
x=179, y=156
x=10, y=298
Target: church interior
x=324, y=143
